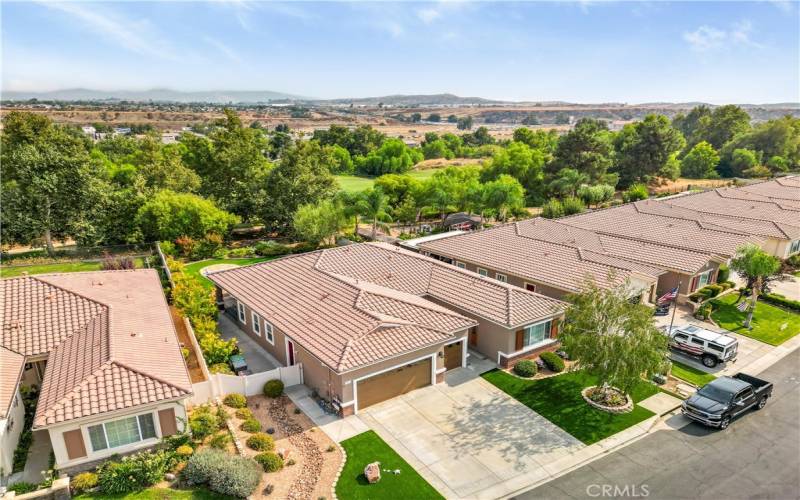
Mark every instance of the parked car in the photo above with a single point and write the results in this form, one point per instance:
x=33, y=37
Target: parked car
x=717, y=402
x=711, y=348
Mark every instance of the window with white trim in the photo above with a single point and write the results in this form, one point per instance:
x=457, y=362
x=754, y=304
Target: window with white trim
x=122, y=432
x=256, y=323
x=483, y=272
x=536, y=334
x=703, y=279
x=461, y=265
x=268, y=333
x=794, y=247
x=240, y=311
x=501, y=277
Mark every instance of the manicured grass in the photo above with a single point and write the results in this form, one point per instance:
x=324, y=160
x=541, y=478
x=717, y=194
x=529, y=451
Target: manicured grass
x=356, y=183
x=691, y=374
x=369, y=447
x=194, y=268
x=158, y=494
x=61, y=267
x=559, y=400
x=772, y=325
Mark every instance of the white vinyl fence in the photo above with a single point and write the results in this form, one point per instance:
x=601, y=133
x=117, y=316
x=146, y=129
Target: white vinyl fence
x=220, y=384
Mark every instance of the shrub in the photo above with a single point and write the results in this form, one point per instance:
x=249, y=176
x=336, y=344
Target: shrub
x=241, y=252
x=222, y=473
x=251, y=425
x=184, y=450
x=220, y=440
x=84, y=481
x=134, y=472
x=168, y=248
x=573, y=206
x=221, y=368
x=117, y=262
x=525, y=368
x=271, y=249
x=635, y=193
x=22, y=487
x=553, y=209
x=203, y=421
x=273, y=388
x=553, y=361
x=235, y=401
x=176, y=440
x=724, y=273
x=779, y=300
x=260, y=442
x=271, y=462
x=207, y=247
x=714, y=290
x=244, y=413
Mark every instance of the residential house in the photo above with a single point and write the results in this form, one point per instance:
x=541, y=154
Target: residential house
x=12, y=411
x=104, y=351
x=462, y=221
x=372, y=321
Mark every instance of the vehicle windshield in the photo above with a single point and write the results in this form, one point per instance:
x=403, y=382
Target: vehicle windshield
x=715, y=393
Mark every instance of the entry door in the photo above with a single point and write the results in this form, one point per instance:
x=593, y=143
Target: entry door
x=473, y=337
x=289, y=353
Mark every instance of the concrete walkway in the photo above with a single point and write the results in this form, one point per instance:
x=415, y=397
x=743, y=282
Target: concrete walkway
x=38, y=458
x=258, y=360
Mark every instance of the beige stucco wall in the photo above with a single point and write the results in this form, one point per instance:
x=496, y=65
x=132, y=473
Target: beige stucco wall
x=10, y=429
x=60, y=450
x=278, y=350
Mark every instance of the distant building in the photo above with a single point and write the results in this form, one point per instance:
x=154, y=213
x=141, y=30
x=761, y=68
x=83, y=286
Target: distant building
x=122, y=130
x=169, y=137
x=89, y=130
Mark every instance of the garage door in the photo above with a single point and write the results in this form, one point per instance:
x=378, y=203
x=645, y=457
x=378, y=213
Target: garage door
x=453, y=355
x=393, y=383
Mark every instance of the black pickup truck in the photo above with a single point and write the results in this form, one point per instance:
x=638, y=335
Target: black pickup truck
x=717, y=402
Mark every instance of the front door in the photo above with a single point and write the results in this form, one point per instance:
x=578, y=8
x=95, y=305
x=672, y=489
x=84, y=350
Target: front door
x=473, y=337
x=289, y=353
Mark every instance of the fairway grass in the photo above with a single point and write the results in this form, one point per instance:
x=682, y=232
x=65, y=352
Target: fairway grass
x=771, y=324
x=356, y=183
x=194, y=268
x=62, y=267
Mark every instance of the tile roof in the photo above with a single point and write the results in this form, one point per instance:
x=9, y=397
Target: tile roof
x=731, y=202
x=12, y=364
x=507, y=249
x=112, y=344
x=359, y=304
x=629, y=221
x=782, y=188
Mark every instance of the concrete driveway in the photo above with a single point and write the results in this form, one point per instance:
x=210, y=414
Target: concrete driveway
x=468, y=438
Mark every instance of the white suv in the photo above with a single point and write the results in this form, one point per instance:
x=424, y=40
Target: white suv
x=712, y=348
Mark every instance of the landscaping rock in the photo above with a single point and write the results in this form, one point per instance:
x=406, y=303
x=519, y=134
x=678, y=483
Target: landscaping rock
x=373, y=472
x=169, y=477
x=283, y=453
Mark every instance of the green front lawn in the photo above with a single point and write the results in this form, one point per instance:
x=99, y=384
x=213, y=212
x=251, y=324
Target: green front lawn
x=61, y=267
x=369, y=447
x=690, y=374
x=559, y=400
x=357, y=183
x=194, y=268
x=158, y=494
x=771, y=324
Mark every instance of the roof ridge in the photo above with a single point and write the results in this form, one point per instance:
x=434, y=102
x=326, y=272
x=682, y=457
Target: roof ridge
x=62, y=288
x=402, y=298
x=147, y=375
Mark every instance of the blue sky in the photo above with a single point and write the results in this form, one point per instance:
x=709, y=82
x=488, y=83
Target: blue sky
x=581, y=52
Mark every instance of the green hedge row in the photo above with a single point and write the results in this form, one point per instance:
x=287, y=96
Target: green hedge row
x=780, y=300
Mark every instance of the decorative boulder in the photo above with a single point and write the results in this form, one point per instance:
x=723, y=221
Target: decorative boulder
x=283, y=453
x=373, y=472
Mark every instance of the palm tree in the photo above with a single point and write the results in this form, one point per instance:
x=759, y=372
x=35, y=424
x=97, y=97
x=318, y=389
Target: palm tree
x=374, y=206
x=567, y=181
x=351, y=206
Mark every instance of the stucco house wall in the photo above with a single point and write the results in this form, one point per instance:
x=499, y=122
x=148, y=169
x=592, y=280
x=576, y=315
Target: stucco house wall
x=10, y=429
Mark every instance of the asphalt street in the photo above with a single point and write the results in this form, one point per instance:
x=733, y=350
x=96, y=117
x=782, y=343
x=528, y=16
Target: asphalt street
x=758, y=456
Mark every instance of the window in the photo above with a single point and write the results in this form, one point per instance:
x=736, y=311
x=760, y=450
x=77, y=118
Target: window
x=268, y=332
x=681, y=337
x=536, y=334
x=703, y=279
x=240, y=310
x=483, y=272
x=256, y=324
x=697, y=341
x=461, y=265
x=530, y=287
x=715, y=347
x=794, y=247
x=501, y=277
x=122, y=432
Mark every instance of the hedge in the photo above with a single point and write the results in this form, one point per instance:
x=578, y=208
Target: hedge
x=525, y=368
x=553, y=361
x=779, y=300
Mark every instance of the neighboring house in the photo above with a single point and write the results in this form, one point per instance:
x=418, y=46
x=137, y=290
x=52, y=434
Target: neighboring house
x=553, y=269
x=371, y=321
x=12, y=411
x=462, y=221
x=104, y=350
x=782, y=188
x=413, y=244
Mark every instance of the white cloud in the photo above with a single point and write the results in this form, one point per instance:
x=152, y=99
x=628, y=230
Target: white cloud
x=132, y=34
x=707, y=38
x=227, y=51
x=428, y=15
x=741, y=33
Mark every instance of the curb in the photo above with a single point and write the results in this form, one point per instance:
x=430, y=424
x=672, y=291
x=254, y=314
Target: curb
x=339, y=472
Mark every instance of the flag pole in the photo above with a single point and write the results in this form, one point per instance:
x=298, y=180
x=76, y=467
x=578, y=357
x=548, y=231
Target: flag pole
x=674, y=307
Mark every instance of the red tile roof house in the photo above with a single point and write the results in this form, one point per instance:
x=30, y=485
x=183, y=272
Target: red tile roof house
x=105, y=352
x=371, y=321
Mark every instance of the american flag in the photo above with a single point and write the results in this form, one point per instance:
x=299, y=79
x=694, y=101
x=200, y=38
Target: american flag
x=669, y=296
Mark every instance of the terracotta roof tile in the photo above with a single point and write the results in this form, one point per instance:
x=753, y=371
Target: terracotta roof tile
x=11, y=365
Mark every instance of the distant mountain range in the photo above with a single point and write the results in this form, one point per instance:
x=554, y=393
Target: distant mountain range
x=266, y=96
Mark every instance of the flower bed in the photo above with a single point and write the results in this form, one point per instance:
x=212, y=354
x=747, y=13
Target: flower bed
x=603, y=399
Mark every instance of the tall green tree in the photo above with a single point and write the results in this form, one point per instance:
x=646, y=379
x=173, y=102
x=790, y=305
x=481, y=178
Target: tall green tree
x=169, y=215
x=318, y=223
x=503, y=195
x=586, y=148
x=723, y=124
x=691, y=122
x=392, y=157
x=522, y=163
x=645, y=147
x=375, y=208
x=567, y=182
x=613, y=339
x=546, y=141
x=701, y=162
x=50, y=186
x=756, y=266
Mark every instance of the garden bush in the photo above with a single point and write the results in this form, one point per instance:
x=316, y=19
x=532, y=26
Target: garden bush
x=203, y=421
x=176, y=440
x=222, y=473
x=244, y=413
x=221, y=368
x=220, y=440
x=635, y=193
x=168, y=248
x=206, y=247
x=235, y=401
x=135, y=472
x=251, y=425
x=553, y=361
x=273, y=388
x=184, y=450
x=572, y=205
x=237, y=253
x=22, y=487
x=525, y=368
x=271, y=249
x=260, y=442
x=271, y=462
x=714, y=290
x=553, y=209
x=84, y=481
x=780, y=300
x=723, y=274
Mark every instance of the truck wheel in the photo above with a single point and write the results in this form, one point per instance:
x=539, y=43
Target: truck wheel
x=726, y=421
x=709, y=361
x=762, y=402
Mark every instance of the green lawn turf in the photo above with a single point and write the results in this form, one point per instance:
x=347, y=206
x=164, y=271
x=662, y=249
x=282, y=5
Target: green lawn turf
x=690, y=374
x=559, y=400
x=194, y=268
x=158, y=494
x=369, y=447
x=61, y=267
x=768, y=320
x=355, y=183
